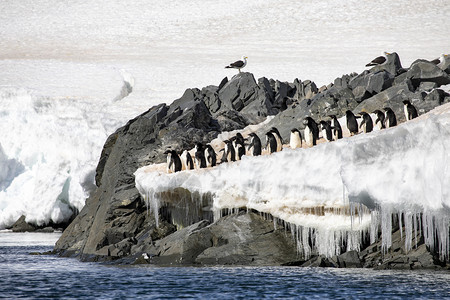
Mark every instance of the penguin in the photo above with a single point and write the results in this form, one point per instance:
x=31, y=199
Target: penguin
x=410, y=110
x=186, y=161
x=337, y=129
x=239, y=145
x=271, y=144
x=229, y=151
x=367, y=123
x=352, y=124
x=200, y=160
x=380, y=118
x=295, y=140
x=173, y=161
x=326, y=130
x=224, y=158
x=255, y=143
x=311, y=131
x=278, y=138
x=390, y=119
x=210, y=156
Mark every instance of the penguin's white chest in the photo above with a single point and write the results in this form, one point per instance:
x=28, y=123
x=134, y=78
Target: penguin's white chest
x=295, y=141
x=308, y=136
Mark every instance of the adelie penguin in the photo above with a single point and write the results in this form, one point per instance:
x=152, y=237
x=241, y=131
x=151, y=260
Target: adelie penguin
x=410, y=110
x=186, y=161
x=367, y=123
x=229, y=153
x=278, y=138
x=210, y=156
x=380, y=119
x=337, y=129
x=311, y=131
x=200, y=160
x=239, y=145
x=352, y=124
x=255, y=144
x=271, y=144
x=173, y=161
x=390, y=119
x=326, y=130
x=295, y=140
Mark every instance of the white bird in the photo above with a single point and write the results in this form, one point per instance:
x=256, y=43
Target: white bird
x=238, y=64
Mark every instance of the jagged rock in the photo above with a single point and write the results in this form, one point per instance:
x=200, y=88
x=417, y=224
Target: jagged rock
x=349, y=259
x=22, y=226
x=369, y=83
x=424, y=71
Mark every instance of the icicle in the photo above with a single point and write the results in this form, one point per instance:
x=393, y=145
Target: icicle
x=408, y=230
x=400, y=225
x=374, y=225
x=386, y=229
x=414, y=217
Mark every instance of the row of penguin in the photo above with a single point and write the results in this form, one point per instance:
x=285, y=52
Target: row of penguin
x=234, y=149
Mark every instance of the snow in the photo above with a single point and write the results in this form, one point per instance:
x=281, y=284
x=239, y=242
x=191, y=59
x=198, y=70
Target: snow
x=404, y=170
x=72, y=72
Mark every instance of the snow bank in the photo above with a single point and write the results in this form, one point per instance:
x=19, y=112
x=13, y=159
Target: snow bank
x=47, y=165
x=340, y=189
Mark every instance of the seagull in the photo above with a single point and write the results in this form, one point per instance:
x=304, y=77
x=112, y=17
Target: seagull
x=379, y=60
x=238, y=64
x=440, y=61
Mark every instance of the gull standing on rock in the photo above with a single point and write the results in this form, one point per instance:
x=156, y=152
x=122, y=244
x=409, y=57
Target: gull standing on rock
x=380, y=60
x=238, y=64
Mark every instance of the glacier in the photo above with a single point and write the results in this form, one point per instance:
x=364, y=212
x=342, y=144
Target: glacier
x=335, y=193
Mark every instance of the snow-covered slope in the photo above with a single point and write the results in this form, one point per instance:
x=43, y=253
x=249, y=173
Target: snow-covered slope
x=65, y=67
x=404, y=170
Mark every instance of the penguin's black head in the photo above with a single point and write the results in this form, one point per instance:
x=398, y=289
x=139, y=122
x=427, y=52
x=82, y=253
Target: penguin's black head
x=332, y=116
x=386, y=108
x=406, y=102
x=348, y=113
x=294, y=130
x=239, y=135
x=376, y=111
x=307, y=120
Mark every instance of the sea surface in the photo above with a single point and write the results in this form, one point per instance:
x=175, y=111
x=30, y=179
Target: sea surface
x=47, y=276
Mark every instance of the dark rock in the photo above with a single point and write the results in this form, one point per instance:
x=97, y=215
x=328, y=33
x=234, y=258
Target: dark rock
x=424, y=71
x=370, y=83
x=319, y=261
x=22, y=226
x=427, y=86
x=349, y=259
x=242, y=239
x=393, y=65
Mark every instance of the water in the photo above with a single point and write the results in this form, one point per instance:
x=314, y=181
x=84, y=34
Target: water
x=48, y=276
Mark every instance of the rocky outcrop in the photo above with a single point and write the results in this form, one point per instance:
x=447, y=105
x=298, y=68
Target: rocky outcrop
x=115, y=223
x=241, y=239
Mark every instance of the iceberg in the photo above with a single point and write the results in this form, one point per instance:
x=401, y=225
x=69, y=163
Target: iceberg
x=334, y=195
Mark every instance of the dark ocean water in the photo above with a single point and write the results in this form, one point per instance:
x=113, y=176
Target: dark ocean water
x=43, y=276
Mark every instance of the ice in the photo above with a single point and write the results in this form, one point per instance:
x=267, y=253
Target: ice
x=73, y=72
x=400, y=171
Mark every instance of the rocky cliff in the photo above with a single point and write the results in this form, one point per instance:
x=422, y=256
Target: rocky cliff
x=115, y=223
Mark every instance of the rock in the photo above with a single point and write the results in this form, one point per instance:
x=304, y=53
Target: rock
x=319, y=261
x=22, y=226
x=349, y=259
x=370, y=83
x=424, y=71
x=115, y=211
x=247, y=239
x=393, y=65
x=240, y=239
